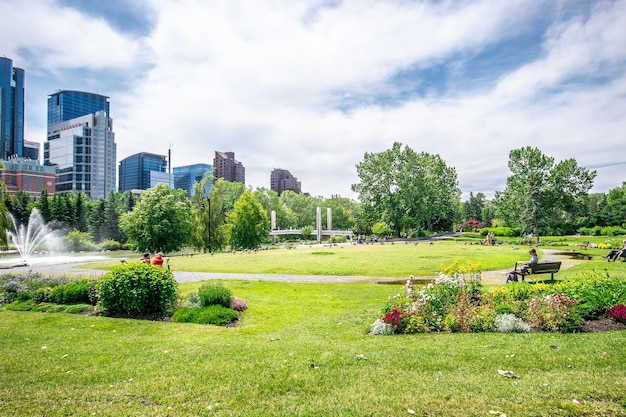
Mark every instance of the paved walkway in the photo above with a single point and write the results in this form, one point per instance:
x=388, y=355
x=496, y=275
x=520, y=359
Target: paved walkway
x=488, y=277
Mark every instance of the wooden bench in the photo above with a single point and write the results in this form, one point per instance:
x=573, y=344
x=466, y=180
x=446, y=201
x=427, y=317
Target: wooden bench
x=543, y=268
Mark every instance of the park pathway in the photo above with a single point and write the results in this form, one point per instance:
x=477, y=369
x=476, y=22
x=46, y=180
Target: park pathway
x=488, y=277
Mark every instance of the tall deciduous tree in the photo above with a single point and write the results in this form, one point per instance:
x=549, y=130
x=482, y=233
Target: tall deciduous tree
x=539, y=192
x=615, y=209
x=161, y=220
x=408, y=190
x=5, y=224
x=248, y=223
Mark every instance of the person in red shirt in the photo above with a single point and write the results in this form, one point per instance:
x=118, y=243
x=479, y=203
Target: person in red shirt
x=158, y=260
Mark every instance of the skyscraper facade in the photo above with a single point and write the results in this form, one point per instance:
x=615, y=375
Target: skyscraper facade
x=282, y=180
x=136, y=171
x=66, y=105
x=226, y=166
x=185, y=177
x=84, y=152
x=11, y=109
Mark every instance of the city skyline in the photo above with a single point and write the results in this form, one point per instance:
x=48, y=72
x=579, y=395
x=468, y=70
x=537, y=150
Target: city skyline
x=313, y=85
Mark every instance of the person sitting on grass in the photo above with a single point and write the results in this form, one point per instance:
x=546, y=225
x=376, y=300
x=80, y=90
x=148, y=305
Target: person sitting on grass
x=616, y=253
x=523, y=271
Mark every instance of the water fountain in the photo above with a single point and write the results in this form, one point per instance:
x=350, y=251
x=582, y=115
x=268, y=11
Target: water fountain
x=28, y=238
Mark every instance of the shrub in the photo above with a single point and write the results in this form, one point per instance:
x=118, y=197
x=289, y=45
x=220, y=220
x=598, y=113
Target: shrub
x=554, y=313
x=338, y=239
x=214, y=294
x=613, y=231
x=72, y=293
x=78, y=308
x=192, y=301
x=379, y=327
x=111, y=245
x=597, y=293
x=214, y=314
x=79, y=241
x=137, y=289
x=26, y=305
x=617, y=313
x=510, y=323
x=238, y=304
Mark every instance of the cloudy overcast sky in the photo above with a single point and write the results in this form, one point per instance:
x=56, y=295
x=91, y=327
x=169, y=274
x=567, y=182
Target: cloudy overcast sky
x=311, y=85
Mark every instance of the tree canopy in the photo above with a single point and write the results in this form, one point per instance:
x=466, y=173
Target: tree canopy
x=407, y=190
x=161, y=220
x=248, y=223
x=539, y=192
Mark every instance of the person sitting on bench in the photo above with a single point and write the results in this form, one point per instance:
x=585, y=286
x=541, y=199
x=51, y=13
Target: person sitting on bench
x=534, y=259
x=616, y=253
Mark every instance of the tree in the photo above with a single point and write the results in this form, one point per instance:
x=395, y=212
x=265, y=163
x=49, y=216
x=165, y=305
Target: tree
x=161, y=220
x=304, y=207
x=344, y=212
x=473, y=207
x=97, y=220
x=615, y=209
x=407, y=190
x=5, y=224
x=44, y=206
x=248, y=223
x=539, y=192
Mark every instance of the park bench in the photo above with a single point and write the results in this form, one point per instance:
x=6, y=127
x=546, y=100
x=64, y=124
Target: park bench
x=543, y=268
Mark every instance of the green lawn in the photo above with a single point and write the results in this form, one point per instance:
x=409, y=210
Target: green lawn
x=302, y=349
x=397, y=260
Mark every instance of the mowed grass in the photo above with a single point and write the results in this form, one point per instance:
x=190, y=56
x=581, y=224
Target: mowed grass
x=302, y=350
x=378, y=260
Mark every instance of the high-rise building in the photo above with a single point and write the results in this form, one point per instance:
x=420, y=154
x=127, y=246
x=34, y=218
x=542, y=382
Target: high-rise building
x=185, y=177
x=66, y=105
x=11, y=109
x=31, y=150
x=84, y=152
x=226, y=166
x=282, y=180
x=136, y=171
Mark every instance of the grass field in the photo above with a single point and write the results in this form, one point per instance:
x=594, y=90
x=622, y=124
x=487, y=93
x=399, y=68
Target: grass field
x=302, y=349
x=398, y=260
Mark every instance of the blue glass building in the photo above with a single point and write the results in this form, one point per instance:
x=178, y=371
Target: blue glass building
x=135, y=171
x=11, y=109
x=185, y=177
x=67, y=105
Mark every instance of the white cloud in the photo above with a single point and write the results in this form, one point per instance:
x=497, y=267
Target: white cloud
x=263, y=79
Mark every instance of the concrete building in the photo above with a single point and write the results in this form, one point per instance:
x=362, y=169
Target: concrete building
x=282, y=180
x=226, y=166
x=11, y=110
x=31, y=150
x=84, y=153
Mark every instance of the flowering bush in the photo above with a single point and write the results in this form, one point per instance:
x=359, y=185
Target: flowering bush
x=379, y=327
x=238, y=304
x=510, y=323
x=617, y=313
x=554, y=313
x=424, y=311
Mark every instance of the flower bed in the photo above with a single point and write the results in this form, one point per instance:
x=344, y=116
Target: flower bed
x=457, y=302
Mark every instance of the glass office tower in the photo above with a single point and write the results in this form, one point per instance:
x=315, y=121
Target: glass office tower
x=11, y=109
x=67, y=105
x=185, y=177
x=135, y=171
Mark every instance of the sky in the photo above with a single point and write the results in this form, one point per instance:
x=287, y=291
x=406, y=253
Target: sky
x=312, y=85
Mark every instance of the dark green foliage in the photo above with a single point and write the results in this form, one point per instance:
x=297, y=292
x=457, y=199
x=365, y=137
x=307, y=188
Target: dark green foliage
x=138, y=290
x=214, y=294
x=596, y=293
x=214, y=314
x=72, y=293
